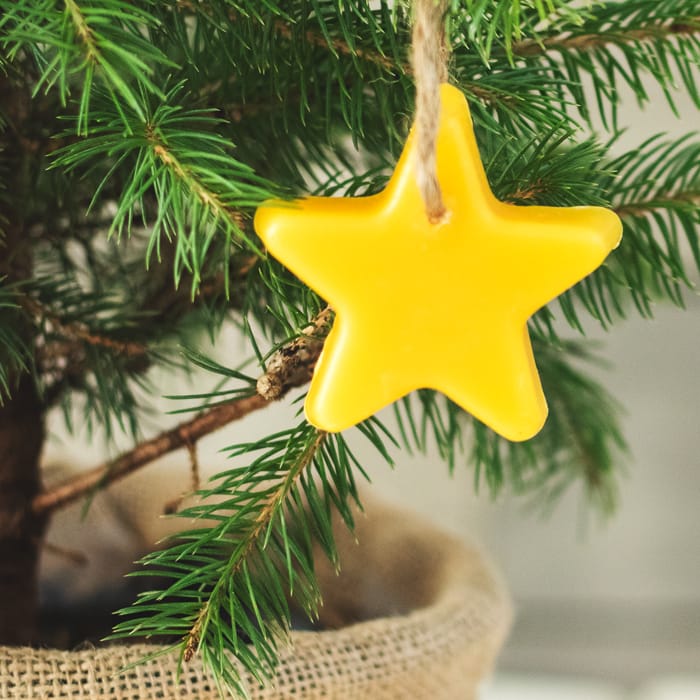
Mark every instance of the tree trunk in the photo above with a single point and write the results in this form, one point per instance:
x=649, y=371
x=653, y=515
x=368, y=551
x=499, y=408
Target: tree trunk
x=21, y=439
x=21, y=416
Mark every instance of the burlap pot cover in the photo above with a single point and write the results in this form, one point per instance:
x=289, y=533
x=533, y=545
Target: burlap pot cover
x=417, y=615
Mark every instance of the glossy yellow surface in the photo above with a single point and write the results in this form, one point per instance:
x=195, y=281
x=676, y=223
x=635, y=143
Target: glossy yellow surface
x=440, y=306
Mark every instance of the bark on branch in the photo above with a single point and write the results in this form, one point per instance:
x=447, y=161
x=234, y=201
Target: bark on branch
x=292, y=366
x=183, y=434
x=655, y=31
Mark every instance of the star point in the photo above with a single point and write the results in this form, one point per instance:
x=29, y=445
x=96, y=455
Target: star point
x=441, y=306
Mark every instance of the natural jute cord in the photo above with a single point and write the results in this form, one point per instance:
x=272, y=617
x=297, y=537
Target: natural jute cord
x=430, y=56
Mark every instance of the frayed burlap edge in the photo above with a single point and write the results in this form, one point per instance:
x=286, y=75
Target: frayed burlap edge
x=446, y=615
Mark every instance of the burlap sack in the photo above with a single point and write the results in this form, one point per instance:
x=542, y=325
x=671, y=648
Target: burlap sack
x=418, y=616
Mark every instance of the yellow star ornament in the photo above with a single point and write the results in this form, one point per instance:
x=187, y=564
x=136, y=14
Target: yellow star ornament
x=442, y=306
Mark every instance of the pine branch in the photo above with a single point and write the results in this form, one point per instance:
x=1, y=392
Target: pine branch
x=340, y=46
x=78, y=331
x=105, y=322
x=487, y=24
x=657, y=192
x=174, y=505
x=92, y=342
x=654, y=189
x=185, y=434
x=291, y=368
x=675, y=200
x=84, y=32
x=178, y=157
x=539, y=87
x=252, y=552
x=291, y=31
x=293, y=364
x=345, y=60
x=583, y=409
x=655, y=31
x=242, y=565
x=76, y=42
x=207, y=197
x=271, y=505
x=67, y=353
x=619, y=43
x=16, y=356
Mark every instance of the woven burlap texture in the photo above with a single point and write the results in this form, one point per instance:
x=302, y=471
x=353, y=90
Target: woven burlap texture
x=419, y=616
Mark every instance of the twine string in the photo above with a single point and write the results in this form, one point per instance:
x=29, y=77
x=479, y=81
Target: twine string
x=429, y=57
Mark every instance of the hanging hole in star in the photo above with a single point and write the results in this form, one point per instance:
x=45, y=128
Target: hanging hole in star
x=440, y=217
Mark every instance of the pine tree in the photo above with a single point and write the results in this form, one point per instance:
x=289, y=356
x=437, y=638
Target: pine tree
x=138, y=139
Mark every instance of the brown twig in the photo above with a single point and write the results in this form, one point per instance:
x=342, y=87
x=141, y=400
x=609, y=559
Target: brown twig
x=79, y=331
x=82, y=29
x=173, y=505
x=144, y=453
x=73, y=556
x=206, y=197
x=662, y=202
x=294, y=369
x=61, y=358
x=293, y=364
x=526, y=193
x=585, y=42
x=316, y=38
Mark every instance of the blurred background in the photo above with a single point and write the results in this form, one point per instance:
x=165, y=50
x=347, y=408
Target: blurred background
x=605, y=609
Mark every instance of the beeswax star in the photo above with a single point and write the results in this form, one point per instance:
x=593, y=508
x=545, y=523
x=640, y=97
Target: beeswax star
x=441, y=306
